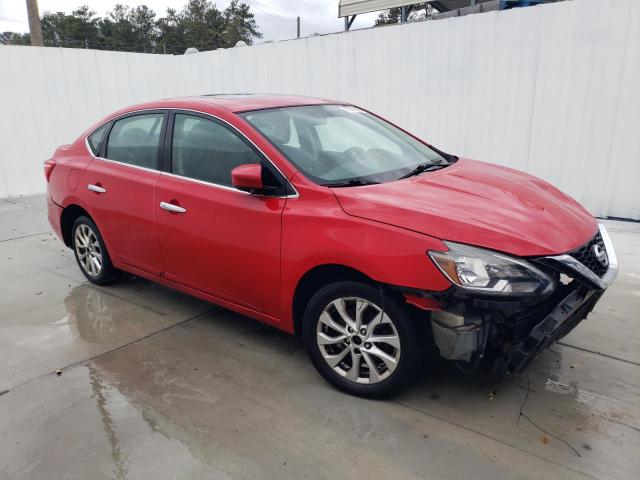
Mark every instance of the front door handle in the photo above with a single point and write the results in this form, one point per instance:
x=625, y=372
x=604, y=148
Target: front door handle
x=96, y=188
x=172, y=208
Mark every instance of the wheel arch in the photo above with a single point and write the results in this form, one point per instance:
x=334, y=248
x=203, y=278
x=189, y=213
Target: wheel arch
x=316, y=278
x=69, y=215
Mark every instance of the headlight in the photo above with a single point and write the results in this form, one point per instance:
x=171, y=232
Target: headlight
x=489, y=272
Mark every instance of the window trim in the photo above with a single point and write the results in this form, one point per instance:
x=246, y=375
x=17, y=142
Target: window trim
x=260, y=156
x=162, y=163
x=108, y=126
x=112, y=121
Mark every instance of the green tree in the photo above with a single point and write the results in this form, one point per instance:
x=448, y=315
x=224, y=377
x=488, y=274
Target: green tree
x=240, y=24
x=116, y=30
x=199, y=24
x=419, y=11
x=127, y=28
x=170, y=34
x=202, y=25
x=13, y=38
x=145, y=32
x=80, y=29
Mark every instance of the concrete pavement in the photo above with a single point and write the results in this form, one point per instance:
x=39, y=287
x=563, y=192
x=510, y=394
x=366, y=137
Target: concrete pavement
x=155, y=384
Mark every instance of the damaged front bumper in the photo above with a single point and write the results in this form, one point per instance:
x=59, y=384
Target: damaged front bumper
x=505, y=334
x=564, y=317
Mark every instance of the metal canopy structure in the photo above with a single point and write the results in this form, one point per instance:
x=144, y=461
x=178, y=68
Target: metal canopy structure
x=349, y=9
x=356, y=7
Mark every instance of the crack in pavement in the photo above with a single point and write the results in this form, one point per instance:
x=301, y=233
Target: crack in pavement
x=24, y=236
x=490, y=437
x=595, y=352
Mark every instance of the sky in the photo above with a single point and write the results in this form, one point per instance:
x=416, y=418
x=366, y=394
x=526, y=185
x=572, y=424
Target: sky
x=276, y=18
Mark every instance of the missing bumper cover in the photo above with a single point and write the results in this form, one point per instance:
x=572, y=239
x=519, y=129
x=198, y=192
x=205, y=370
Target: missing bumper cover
x=458, y=337
x=562, y=319
x=505, y=336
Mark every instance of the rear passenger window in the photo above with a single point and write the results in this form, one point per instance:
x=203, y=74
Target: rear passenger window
x=205, y=150
x=135, y=140
x=95, y=139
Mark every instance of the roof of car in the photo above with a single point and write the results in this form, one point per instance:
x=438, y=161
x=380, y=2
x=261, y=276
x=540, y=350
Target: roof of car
x=242, y=102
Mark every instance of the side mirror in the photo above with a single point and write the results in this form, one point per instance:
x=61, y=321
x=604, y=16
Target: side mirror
x=247, y=177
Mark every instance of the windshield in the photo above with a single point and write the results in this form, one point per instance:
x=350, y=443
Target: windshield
x=341, y=145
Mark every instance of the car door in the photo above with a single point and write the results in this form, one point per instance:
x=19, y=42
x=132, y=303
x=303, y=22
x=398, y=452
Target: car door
x=215, y=238
x=121, y=182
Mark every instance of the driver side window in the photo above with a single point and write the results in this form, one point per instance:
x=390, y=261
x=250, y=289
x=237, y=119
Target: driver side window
x=203, y=149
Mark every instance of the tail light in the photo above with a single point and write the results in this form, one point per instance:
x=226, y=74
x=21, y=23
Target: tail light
x=48, y=167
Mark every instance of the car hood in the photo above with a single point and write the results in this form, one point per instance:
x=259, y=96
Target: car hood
x=480, y=204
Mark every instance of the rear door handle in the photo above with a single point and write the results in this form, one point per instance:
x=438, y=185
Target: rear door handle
x=96, y=188
x=172, y=208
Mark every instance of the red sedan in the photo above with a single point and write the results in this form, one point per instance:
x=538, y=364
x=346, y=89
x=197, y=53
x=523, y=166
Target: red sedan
x=325, y=220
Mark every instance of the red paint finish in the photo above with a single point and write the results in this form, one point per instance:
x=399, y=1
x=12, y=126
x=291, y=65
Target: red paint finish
x=247, y=177
x=226, y=244
x=316, y=231
x=422, y=303
x=49, y=165
x=126, y=212
x=54, y=212
x=249, y=252
x=479, y=204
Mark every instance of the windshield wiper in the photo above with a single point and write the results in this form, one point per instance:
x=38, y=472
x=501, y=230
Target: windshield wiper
x=354, y=182
x=424, y=167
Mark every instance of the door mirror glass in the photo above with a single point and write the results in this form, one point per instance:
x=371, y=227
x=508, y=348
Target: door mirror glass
x=247, y=177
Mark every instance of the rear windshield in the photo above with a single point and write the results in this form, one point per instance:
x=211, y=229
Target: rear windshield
x=338, y=143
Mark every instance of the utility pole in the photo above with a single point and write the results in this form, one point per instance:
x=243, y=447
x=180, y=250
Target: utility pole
x=404, y=14
x=297, y=27
x=34, y=23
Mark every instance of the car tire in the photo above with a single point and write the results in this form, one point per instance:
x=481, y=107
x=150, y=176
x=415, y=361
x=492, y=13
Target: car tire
x=91, y=252
x=381, y=339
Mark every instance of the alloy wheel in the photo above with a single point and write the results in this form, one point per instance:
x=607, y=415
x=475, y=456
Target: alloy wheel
x=88, y=250
x=358, y=340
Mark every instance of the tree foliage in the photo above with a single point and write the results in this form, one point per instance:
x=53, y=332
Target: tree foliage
x=79, y=29
x=419, y=11
x=13, y=38
x=124, y=27
x=198, y=24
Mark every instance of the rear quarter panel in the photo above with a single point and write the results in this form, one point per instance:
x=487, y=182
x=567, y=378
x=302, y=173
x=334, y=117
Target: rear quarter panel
x=67, y=183
x=66, y=177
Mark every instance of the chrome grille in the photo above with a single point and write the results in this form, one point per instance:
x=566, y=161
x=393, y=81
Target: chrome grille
x=587, y=256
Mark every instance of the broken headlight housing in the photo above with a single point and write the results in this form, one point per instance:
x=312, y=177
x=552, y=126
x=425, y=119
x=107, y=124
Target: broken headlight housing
x=490, y=272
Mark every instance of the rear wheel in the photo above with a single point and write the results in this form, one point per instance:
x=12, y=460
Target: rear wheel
x=91, y=252
x=359, y=339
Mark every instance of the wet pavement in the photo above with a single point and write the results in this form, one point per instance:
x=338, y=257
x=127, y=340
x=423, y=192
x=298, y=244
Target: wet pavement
x=137, y=381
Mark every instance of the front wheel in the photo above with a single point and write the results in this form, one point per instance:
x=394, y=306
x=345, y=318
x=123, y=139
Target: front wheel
x=359, y=339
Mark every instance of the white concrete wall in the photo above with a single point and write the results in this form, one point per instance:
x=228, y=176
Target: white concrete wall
x=553, y=90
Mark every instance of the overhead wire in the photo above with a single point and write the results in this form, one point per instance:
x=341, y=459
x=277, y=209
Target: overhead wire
x=279, y=17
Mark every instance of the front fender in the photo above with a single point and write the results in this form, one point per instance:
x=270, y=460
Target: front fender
x=317, y=232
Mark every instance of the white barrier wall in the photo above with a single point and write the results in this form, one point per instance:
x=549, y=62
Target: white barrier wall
x=553, y=90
